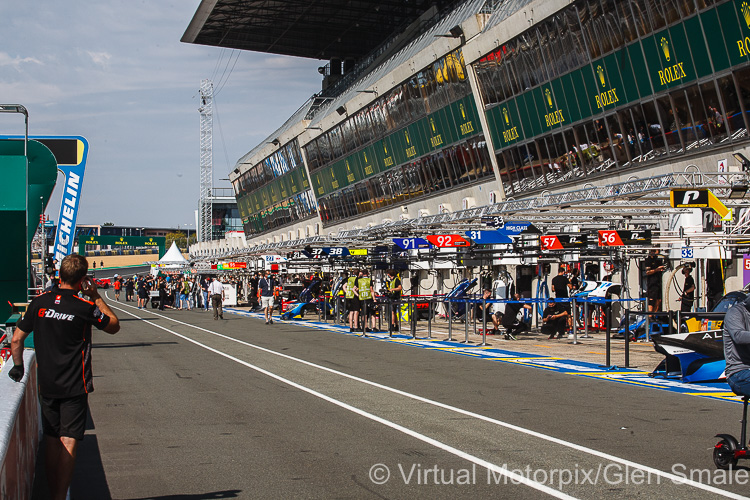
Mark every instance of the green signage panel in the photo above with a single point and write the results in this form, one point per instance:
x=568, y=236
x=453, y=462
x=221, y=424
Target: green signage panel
x=368, y=162
x=736, y=29
x=717, y=45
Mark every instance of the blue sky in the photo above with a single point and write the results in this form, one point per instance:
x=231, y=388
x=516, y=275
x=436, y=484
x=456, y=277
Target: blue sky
x=115, y=72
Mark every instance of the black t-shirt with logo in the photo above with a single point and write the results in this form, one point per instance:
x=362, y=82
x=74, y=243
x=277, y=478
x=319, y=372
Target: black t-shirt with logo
x=61, y=322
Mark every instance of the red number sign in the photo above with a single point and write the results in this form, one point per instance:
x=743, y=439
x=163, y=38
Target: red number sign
x=448, y=240
x=610, y=239
x=551, y=242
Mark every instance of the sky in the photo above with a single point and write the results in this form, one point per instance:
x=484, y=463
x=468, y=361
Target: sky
x=116, y=73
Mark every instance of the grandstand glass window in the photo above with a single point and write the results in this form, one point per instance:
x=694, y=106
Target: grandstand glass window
x=350, y=138
x=743, y=84
x=363, y=127
x=704, y=4
x=670, y=124
x=312, y=156
x=631, y=142
x=324, y=149
x=732, y=111
x=416, y=99
x=554, y=31
x=337, y=146
x=640, y=17
x=599, y=28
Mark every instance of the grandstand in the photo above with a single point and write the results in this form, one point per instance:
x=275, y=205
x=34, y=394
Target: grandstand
x=429, y=108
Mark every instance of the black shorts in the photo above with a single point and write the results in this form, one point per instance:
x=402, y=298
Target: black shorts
x=352, y=304
x=369, y=304
x=65, y=416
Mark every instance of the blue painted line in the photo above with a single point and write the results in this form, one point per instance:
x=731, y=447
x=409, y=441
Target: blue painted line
x=717, y=390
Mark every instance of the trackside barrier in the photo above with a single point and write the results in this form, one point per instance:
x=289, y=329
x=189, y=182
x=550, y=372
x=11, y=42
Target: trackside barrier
x=409, y=306
x=607, y=305
x=20, y=430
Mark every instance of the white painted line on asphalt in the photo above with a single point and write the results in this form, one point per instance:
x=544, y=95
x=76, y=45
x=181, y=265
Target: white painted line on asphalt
x=673, y=477
x=455, y=451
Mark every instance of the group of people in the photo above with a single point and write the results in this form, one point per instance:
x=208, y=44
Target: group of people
x=182, y=293
x=556, y=317
x=359, y=293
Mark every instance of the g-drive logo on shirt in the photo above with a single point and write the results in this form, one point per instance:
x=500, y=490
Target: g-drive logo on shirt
x=51, y=313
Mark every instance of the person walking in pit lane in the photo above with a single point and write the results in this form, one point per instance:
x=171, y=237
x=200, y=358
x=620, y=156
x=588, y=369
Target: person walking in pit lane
x=143, y=293
x=185, y=294
x=117, y=285
x=205, y=283
x=266, y=285
x=129, y=286
x=61, y=322
x=216, y=291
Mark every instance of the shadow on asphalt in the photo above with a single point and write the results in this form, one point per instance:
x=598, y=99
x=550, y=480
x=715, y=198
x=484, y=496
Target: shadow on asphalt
x=196, y=496
x=134, y=344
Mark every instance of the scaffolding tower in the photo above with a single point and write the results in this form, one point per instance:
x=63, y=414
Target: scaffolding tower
x=207, y=161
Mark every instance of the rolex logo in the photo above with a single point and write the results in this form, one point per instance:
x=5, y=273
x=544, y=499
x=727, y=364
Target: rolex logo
x=407, y=138
x=745, y=8
x=385, y=148
x=665, y=48
x=122, y=239
x=348, y=168
x=463, y=112
x=365, y=155
x=600, y=72
x=548, y=94
x=505, y=115
x=432, y=123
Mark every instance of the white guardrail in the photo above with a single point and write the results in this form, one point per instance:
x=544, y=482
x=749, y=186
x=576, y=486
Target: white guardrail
x=20, y=430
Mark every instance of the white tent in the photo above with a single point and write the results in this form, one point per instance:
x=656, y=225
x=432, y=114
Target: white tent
x=173, y=259
x=173, y=256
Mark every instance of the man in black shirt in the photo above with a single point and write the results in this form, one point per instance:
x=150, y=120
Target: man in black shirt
x=510, y=318
x=554, y=319
x=688, y=291
x=561, y=284
x=655, y=267
x=61, y=322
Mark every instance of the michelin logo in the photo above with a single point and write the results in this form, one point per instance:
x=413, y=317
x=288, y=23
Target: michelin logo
x=68, y=213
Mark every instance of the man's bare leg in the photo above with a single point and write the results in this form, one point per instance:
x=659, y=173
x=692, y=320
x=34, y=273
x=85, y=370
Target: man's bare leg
x=60, y=460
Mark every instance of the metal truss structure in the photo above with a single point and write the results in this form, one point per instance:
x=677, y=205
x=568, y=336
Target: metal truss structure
x=207, y=161
x=644, y=203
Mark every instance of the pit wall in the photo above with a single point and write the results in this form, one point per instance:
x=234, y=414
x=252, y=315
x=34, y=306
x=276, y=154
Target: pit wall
x=20, y=430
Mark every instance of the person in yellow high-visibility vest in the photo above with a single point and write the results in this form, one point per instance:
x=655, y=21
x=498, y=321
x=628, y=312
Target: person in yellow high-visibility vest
x=352, y=300
x=367, y=299
x=394, y=295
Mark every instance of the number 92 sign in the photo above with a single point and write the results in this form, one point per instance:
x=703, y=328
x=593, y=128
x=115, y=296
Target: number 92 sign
x=448, y=240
